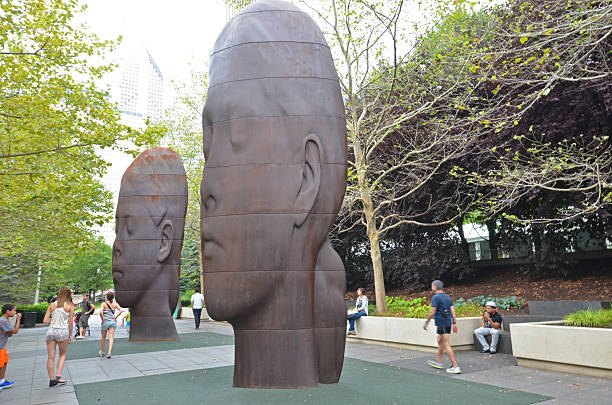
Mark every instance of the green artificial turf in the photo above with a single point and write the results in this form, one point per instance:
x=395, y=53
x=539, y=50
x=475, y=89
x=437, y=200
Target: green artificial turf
x=361, y=383
x=83, y=349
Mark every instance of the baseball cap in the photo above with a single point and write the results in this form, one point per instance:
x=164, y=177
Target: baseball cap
x=491, y=304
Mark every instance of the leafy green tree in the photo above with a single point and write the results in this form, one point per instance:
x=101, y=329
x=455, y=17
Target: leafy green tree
x=91, y=270
x=53, y=120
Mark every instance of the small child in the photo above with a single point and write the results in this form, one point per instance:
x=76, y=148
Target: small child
x=6, y=330
x=126, y=319
x=77, y=319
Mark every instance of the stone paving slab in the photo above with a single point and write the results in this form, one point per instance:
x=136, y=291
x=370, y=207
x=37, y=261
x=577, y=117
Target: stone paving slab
x=361, y=383
x=83, y=349
x=470, y=362
x=28, y=368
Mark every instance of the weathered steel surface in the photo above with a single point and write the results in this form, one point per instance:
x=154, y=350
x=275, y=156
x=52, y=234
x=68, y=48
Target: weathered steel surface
x=274, y=180
x=150, y=222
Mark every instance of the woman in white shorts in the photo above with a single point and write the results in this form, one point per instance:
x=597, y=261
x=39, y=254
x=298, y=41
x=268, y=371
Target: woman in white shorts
x=60, y=315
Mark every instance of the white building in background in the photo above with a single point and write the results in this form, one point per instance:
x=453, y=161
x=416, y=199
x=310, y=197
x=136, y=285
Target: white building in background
x=136, y=86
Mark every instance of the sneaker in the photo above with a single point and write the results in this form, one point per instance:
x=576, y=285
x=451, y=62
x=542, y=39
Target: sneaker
x=7, y=384
x=435, y=364
x=80, y=337
x=484, y=351
x=100, y=353
x=492, y=351
x=108, y=356
x=454, y=370
x=352, y=333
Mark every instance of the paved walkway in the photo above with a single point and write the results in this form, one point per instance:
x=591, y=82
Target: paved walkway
x=28, y=356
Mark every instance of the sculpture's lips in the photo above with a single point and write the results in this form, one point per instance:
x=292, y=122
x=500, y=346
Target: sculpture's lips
x=210, y=246
x=117, y=274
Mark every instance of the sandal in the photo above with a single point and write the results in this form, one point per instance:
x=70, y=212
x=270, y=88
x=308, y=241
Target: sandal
x=58, y=380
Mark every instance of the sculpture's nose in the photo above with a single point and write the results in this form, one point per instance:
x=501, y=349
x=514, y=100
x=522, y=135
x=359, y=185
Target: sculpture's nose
x=116, y=249
x=209, y=197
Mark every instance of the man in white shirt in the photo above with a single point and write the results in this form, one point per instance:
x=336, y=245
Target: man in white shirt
x=197, y=301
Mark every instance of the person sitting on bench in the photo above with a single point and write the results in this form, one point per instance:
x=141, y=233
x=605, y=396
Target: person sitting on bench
x=491, y=325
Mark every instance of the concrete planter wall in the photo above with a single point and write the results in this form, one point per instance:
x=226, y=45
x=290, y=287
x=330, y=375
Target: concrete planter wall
x=187, y=313
x=551, y=346
x=409, y=332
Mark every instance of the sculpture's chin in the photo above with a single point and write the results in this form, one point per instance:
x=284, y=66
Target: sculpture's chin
x=231, y=296
x=126, y=299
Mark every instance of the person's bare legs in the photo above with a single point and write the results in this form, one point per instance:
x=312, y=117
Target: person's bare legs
x=63, y=347
x=2, y=372
x=51, y=358
x=440, y=349
x=449, y=349
x=103, y=341
x=111, y=339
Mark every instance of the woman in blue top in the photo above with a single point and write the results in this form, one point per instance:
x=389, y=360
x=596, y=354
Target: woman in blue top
x=361, y=309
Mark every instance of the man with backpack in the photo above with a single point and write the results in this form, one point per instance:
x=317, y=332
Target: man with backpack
x=86, y=309
x=443, y=311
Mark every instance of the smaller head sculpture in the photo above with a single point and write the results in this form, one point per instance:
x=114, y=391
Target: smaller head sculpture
x=150, y=221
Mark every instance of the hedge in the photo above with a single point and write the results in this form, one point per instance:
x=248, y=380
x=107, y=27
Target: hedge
x=40, y=310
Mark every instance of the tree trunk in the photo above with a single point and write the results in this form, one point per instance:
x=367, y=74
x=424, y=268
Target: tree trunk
x=464, y=243
x=199, y=245
x=491, y=228
x=374, y=238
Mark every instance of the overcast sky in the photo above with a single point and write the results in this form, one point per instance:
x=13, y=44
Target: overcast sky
x=177, y=33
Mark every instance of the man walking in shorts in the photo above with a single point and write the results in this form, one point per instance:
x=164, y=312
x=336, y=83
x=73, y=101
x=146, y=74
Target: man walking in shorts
x=443, y=311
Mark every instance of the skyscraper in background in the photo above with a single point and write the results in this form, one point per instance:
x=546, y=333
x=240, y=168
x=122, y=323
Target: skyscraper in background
x=136, y=86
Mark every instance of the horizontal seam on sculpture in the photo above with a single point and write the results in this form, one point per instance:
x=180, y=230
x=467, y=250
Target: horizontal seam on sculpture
x=317, y=116
x=270, y=330
x=124, y=291
x=273, y=164
x=154, y=195
x=277, y=116
x=270, y=213
x=269, y=42
x=260, y=271
x=269, y=10
x=134, y=174
x=148, y=217
x=146, y=265
x=273, y=77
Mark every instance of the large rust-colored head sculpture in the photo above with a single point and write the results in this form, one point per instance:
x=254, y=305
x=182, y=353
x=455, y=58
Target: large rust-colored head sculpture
x=274, y=180
x=150, y=221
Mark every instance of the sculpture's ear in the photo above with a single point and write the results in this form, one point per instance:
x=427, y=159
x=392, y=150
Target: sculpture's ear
x=167, y=239
x=311, y=178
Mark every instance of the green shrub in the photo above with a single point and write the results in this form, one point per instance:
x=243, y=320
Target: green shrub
x=502, y=302
x=467, y=310
x=186, y=298
x=40, y=310
x=402, y=307
x=589, y=318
